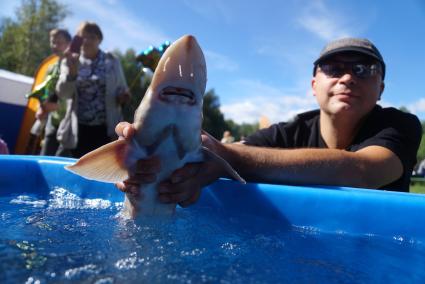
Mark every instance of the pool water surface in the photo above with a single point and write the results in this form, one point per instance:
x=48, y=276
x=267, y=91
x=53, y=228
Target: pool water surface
x=61, y=237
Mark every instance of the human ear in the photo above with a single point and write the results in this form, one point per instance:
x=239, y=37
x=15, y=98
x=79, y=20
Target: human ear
x=381, y=91
x=313, y=86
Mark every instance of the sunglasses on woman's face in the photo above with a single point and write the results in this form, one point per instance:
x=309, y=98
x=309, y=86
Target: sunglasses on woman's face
x=359, y=69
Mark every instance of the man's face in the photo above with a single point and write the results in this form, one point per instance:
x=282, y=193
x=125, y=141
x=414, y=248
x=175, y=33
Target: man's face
x=58, y=44
x=341, y=86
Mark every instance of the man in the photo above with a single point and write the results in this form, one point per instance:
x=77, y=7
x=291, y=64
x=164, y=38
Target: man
x=349, y=141
x=51, y=111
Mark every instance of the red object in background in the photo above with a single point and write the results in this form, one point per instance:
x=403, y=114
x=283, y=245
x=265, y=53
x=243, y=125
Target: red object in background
x=75, y=46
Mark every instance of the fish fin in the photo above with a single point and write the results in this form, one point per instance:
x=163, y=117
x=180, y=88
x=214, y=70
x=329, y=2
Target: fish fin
x=108, y=163
x=194, y=156
x=224, y=163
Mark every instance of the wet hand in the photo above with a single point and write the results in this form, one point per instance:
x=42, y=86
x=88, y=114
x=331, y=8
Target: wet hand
x=146, y=169
x=125, y=130
x=183, y=187
x=185, y=184
x=145, y=172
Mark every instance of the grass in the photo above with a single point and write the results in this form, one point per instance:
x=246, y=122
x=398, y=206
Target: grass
x=417, y=185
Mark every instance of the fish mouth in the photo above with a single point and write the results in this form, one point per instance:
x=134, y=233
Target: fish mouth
x=178, y=95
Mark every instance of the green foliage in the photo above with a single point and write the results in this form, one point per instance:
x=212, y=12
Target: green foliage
x=213, y=121
x=24, y=42
x=404, y=109
x=133, y=74
x=417, y=187
x=421, y=151
x=9, y=59
x=240, y=131
x=215, y=124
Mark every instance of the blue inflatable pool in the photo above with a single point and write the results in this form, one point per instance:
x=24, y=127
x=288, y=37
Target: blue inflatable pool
x=58, y=227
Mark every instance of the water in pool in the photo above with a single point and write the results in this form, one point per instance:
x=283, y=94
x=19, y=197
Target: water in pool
x=64, y=238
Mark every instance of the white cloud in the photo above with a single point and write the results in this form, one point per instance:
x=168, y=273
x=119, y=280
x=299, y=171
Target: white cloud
x=417, y=107
x=385, y=103
x=219, y=62
x=260, y=99
x=323, y=22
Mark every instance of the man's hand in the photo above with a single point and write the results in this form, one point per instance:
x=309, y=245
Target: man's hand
x=185, y=184
x=126, y=131
x=146, y=170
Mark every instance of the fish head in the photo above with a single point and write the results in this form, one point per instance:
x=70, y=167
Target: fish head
x=181, y=74
x=175, y=95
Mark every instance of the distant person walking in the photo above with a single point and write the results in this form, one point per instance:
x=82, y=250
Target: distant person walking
x=59, y=40
x=227, y=137
x=54, y=108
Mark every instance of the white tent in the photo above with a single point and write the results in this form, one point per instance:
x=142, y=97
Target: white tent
x=13, y=87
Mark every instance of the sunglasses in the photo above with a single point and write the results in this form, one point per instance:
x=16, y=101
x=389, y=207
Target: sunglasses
x=359, y=69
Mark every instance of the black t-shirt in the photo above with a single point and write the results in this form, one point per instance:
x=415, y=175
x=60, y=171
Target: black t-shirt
x=387, y=127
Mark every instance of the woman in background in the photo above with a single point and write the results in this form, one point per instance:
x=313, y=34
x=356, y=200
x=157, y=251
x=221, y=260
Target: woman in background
x=95, y=87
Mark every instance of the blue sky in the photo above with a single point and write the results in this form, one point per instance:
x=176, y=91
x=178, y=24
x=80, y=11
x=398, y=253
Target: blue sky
x=259, y=53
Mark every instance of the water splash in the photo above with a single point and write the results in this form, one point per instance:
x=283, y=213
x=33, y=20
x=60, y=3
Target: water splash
x=63, y=199
x=28, y=200
x=80, y=272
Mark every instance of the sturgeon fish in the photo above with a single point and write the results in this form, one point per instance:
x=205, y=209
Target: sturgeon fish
x=168, y=125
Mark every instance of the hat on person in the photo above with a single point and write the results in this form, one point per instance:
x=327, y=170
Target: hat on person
x=359, y=45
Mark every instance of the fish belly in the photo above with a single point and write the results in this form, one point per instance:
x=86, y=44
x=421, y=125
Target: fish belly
x=148, y=204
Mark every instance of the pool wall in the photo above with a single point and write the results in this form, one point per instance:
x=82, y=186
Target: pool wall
x=340, y=210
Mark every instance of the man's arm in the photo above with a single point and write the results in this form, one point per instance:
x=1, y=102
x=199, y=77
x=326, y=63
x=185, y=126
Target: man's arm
x=370, y=167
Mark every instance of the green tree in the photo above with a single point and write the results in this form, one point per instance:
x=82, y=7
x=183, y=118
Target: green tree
x=421, y=150
x=133, y=75
x=241, y=130
x=213, y=121
x=404, y=109
x=246, y=129
x=24, y=42
x=215, y=124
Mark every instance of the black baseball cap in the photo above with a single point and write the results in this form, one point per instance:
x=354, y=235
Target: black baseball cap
x=359, y=45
